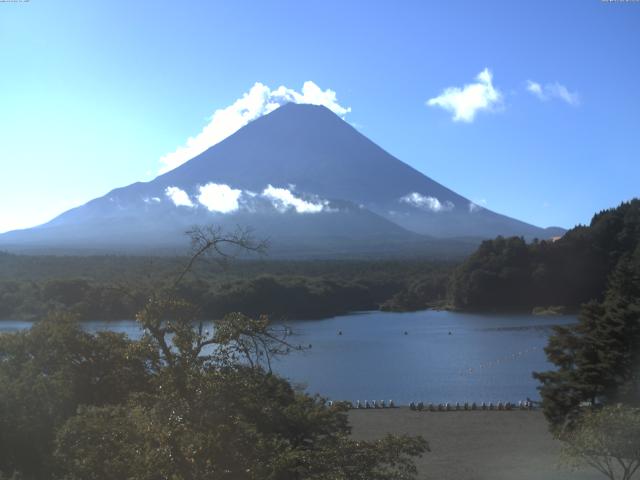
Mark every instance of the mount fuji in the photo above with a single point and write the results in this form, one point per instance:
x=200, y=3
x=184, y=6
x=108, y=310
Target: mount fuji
x=299, y=176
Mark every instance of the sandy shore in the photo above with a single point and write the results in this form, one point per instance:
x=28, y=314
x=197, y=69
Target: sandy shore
x=478, y=445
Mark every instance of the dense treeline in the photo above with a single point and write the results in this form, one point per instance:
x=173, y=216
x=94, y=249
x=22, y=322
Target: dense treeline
x=421, y=292
x=503, y=274
x=119, y=268
x=112, y=287
x=598, y=359
x=32, y=300
x=508, y=273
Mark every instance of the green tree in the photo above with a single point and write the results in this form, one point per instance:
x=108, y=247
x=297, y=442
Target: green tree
x=217, y=411
x=189, y=400
x=607, y=440
x=46, y=373
x=597, y=359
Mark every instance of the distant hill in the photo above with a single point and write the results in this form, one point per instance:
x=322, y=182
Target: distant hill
x=300, y=176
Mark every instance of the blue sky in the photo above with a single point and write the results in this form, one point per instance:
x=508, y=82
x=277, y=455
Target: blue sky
x=94, y=94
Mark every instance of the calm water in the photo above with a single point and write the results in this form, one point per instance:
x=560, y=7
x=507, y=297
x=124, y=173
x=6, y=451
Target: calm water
x=443, y=357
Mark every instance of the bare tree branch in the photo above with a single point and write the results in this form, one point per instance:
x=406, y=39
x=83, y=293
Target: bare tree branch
x=205, y=239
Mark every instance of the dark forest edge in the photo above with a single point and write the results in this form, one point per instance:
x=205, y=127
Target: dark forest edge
x=115, y=287
x=591, y=398
x=509, y=274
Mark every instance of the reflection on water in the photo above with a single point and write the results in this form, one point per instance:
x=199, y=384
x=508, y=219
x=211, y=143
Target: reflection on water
x=429, y=356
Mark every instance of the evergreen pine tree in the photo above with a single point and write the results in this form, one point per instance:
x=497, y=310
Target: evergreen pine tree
x=597, y=359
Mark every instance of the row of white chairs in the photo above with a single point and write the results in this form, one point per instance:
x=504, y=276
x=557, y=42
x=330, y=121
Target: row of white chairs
x=449, y=407
x=440, y=407
x=367, y=404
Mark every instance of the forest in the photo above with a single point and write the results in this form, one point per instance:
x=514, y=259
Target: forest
x=503, y=274
x=513, y=275
x=116, y=287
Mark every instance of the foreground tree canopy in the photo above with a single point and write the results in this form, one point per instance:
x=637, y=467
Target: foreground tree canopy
x=186, y=401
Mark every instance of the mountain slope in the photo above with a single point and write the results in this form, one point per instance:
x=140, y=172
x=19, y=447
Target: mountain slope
x=301, y=176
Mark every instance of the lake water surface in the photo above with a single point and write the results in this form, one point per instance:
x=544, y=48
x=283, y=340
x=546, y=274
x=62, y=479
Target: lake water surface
x=443, y=357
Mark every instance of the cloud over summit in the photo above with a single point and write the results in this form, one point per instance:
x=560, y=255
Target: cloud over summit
x=258, y=101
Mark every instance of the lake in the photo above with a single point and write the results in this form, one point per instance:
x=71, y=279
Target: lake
x=428, y=356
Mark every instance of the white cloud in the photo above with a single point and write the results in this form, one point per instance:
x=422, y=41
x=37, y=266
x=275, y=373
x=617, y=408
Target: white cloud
x=465, y=102
x=311, y=94
x=553, y=90
x=535, y=88
x=258, y=101
x=427, y=203
x=179, y=197
x=283, y=199
x=560, y=91
x=219, y=197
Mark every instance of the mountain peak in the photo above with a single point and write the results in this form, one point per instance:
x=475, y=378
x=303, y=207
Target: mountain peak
x=309, y=107
x=302, y=115
x=300, y=171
